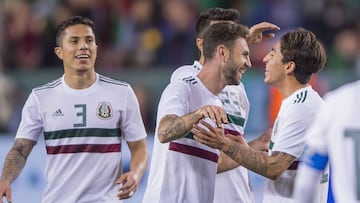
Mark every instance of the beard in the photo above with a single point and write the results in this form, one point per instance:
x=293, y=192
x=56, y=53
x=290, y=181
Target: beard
x=231, y=73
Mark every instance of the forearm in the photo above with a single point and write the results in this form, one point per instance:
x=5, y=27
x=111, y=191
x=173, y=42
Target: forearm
x=225, y=163
x=173, y=127
x=16, y=159
x=139, y=160
x=257, y=145
x=258, y=161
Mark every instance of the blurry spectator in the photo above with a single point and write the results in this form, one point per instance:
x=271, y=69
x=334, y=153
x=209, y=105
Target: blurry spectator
x=328, y=17
x=177, y=30
x=345, y=50
x=138, y=38
x=143, y=95
x=22, y=35
x=152, y=33
x=7, y=105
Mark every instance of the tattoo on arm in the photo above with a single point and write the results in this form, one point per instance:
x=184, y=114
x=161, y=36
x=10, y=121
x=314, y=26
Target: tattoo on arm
x=250, y=159
x=174, y=128
x=258, y=161
x=16, y=158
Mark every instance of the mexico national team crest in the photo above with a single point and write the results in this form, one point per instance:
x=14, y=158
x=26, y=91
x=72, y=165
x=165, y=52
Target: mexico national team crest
x=104, y=110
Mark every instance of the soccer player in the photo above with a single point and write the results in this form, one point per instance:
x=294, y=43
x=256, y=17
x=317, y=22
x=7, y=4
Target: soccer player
x=333, y=137
x=289, y=66
x=232, y=185
x=182, y=169
x=83, y=118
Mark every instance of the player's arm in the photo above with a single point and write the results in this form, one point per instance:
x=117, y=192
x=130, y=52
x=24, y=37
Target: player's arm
x=309, y=173
x=257, y=161
x=14, y=164
x=261, y=143
x=225, y=163
x=173, y=127
x=138, y=164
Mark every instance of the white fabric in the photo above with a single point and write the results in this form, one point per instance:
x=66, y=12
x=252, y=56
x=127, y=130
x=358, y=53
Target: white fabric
x=234, y=185
x=58, y=112
x=335, y=132
x=174, y=176
x=295, y=115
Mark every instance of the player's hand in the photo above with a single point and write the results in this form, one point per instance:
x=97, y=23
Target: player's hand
x=5, y=191
x=237, y=138
x=262, y=142
x=215, y=113
x=256, y=34
x=210, y=136
x=128, y=185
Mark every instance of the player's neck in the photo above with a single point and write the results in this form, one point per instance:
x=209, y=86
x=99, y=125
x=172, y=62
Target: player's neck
x=202, y=60
x=289, y=89
x=80, y=81
x=211, y=77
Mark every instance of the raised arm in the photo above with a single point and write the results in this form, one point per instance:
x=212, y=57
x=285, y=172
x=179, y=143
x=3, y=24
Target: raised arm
x=14, y=164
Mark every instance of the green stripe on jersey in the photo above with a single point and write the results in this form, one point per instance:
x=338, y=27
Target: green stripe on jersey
x=83, y=132
x=237, y=120
x=271, y=144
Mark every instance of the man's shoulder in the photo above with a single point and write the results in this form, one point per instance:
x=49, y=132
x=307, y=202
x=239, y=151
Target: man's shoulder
x=185, y=71
x=48, y=86
x=110, y=81
x=343, y=92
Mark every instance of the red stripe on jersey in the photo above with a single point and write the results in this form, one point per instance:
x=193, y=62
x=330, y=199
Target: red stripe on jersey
x=294, y=165
x=233, y=132
x=90, y=148
x=194, y=151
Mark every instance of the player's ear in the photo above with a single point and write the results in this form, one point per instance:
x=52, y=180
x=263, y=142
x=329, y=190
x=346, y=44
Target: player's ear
x=58, y=52
x=291, y=65
x=223, y=52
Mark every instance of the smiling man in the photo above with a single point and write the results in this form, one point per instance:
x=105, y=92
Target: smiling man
x=83, y=118
x=182, y=169
x=288, y=67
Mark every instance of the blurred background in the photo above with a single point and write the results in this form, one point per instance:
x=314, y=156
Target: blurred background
x=142, y=42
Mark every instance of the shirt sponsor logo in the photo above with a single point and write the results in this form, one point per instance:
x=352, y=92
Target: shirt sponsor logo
x=58, y=113
x=104, y=110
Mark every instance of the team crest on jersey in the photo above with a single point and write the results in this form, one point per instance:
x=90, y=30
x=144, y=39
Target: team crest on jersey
x=104, y=110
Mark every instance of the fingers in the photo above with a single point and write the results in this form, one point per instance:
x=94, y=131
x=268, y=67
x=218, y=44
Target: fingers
x=216, y=114
x=128, y=186
x=127, y=190
x=257, y=35
x=265, y=26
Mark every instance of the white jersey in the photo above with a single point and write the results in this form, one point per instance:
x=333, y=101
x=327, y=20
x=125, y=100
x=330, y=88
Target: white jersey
x=335, y=134
x=233, y=185
x=182, y=170
x=83, y=131
x=295, y=116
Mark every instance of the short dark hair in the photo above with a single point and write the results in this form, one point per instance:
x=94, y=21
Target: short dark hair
x=222, y=33
x=303, y=48
x=213, y=14
x=73, y=20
